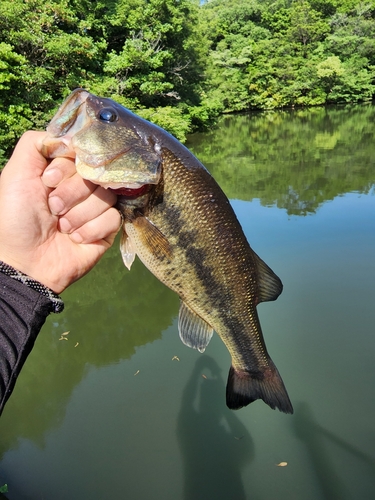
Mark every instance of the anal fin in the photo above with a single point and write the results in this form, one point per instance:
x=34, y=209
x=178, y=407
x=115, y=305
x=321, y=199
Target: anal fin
x=194, y=331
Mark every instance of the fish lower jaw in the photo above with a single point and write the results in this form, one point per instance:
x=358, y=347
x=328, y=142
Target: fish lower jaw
x=127, y=189
x=120, y=185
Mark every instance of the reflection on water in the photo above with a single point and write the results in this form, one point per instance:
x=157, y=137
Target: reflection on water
x=108, y=414
x=296, y=159
x=108, y=315
x=214, y=444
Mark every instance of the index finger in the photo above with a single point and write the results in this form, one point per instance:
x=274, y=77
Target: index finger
x=58, y=170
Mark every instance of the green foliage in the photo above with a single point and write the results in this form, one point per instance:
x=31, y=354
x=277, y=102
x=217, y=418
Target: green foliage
x=290, y=53
x=306, y=24
x=145, y=52
x=14, y=112
x=181, y=62
x=169, y=118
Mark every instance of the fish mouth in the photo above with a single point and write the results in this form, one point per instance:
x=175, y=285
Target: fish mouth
x=130, y=191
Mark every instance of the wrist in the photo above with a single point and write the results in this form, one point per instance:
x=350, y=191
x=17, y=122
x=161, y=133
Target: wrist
x=57, y=304
x=29, y=267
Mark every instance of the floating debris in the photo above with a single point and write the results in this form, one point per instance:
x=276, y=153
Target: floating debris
x=136, y=373
x=76, y=344
x=282, y=464
x=204, y=376
x=63, y=336
x=175, y=358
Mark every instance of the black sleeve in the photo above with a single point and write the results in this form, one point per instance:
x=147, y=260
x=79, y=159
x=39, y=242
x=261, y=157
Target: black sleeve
x=23, y=312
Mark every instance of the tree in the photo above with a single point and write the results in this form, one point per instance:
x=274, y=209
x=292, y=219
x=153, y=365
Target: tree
x=329, y=72
x=306, y=25
x=179, y=61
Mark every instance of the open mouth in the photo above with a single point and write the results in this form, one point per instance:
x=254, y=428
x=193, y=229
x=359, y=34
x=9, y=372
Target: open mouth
x=131, y=192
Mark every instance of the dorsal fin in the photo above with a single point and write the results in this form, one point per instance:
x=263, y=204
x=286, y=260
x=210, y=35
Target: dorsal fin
x=269, y=285
x=194, y=331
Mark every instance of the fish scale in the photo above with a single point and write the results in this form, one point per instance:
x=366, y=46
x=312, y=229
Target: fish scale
x=183, y=228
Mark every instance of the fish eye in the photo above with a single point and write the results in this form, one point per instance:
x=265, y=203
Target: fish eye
x=108, y=115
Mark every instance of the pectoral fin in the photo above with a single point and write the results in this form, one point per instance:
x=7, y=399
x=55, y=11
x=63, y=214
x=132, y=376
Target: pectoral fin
x=194, y=331
x=151, y=237
x=269, y=285
x=127, y=250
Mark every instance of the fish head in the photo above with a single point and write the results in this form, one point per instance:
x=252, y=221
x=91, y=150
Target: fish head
x=112, y=146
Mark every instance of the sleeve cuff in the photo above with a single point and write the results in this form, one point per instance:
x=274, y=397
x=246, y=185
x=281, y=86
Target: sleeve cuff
x=57, y=304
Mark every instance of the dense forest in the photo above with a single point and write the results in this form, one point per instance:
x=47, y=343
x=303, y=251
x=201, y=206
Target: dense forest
x=182, y=63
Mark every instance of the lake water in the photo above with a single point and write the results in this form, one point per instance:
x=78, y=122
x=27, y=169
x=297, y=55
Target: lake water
x=119, y=408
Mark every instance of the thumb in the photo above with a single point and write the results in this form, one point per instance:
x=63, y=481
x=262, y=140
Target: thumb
x=27, y=161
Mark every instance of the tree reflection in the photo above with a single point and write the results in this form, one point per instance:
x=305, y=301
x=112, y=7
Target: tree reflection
x=214, y=444
x=108, y=314
x=295, y=159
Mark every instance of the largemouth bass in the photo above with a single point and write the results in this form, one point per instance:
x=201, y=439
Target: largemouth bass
x=182, y=227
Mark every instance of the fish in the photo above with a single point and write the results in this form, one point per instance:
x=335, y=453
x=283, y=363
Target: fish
x=180, y=224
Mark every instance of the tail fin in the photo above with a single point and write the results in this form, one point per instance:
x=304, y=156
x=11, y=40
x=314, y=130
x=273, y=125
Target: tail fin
x=243, y=388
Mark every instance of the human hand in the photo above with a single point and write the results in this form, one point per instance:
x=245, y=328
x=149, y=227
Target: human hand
x=54, y=225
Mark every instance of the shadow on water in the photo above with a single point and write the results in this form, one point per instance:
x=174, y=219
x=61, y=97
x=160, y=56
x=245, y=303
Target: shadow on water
x=317, y=440
x=214, y=444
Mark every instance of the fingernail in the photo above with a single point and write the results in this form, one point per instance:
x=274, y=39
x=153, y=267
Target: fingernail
x=65, y=225
x=76, y=237
x=52, y=177
x=56, y=205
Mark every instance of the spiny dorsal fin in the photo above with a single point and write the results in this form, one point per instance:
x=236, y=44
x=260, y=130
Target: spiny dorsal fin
x=194, y=331
x=269, y=285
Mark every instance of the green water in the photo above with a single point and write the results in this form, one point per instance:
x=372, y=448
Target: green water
x=123, y=410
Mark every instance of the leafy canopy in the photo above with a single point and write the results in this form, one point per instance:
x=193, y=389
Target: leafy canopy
x=182, y=63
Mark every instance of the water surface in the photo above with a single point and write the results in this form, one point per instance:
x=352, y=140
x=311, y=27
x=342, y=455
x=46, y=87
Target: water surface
x=121, y=409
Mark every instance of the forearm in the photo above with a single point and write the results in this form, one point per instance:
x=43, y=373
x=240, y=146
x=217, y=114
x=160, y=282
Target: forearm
x=23, y=312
